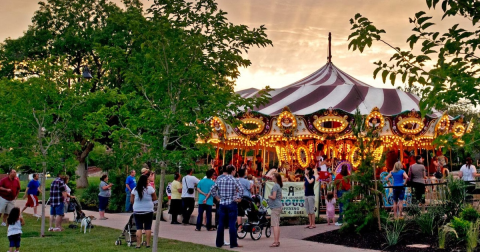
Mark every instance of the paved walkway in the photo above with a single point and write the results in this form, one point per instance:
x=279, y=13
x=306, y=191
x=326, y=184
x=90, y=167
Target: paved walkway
x=290, y=237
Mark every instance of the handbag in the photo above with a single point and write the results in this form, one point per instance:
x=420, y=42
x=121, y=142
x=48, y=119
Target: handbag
x=189, y=190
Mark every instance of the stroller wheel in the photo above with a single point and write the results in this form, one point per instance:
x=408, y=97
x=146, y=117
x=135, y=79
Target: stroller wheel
x=241, y=233
x=256, y=232
x=268, y=231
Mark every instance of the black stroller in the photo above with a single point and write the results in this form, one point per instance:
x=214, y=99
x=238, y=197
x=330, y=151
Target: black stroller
x=129, y=233
x=256, y=211
x=76, y=208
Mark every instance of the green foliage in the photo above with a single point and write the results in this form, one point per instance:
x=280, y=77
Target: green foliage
x=117, y=201
x=443, y=235
x=452, y=53
x=413, y=210
x=469, y=213
x=363, y=214
x=461, y=226
x=427, y=222
x=472, y=236
x=89, y=198
x=393, y=230
x=454, y=197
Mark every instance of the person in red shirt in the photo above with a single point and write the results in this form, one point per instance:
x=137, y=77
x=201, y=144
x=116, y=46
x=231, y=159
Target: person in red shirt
x=9, y=189
x=342, y=186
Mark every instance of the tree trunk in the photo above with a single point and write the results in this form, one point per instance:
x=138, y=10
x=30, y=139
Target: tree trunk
x=159, y=211
x=44, y=172
x=81, y=172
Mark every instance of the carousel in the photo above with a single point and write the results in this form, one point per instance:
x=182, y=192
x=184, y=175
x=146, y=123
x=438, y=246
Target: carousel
x=310, y=121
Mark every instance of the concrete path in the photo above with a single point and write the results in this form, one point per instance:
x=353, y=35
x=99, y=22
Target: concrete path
x=290, y=236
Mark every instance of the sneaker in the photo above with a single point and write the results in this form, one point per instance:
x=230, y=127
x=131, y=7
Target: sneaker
x=338, y=224
x=226, y=243
x=4, y=224
x=37, y=216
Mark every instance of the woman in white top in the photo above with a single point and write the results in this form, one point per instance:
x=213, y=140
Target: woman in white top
x=468, y=172
x=66, y=201
x=143, y=198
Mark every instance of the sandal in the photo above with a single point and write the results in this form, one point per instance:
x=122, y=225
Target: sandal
x=197, y=229
x=212, y=229
x=274, y=245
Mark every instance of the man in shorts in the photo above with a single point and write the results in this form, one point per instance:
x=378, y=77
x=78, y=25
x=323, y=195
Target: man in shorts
x=9, y=189
x=32, y=191
x=57, y=195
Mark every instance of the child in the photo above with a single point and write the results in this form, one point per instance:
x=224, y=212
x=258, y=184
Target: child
x=15, y=223
x=330, y=207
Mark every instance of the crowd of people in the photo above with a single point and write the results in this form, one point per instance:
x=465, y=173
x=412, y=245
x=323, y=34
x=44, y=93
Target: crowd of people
x=223, y=188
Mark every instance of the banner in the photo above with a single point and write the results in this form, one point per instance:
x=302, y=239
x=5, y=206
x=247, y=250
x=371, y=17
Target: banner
x=293, y=198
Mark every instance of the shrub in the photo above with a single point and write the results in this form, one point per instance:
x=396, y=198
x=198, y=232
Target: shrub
x=461, y=226
x=470, y=214
x=442, y=235
x=455, y=196
x=426, y=222
x=393, y=231
x=89, y=199
x=472, y=236
x=117, y=201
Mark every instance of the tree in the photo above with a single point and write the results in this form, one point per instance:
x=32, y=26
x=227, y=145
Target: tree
x=65, y=37
x=183, y=74
x=34, y=124
x=455, y=72
x=364, y=214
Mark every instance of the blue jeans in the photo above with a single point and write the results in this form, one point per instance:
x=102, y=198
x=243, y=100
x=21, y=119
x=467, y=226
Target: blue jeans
x=340, y=205
x=201, y=209
x=229, y=211
x=128, y=206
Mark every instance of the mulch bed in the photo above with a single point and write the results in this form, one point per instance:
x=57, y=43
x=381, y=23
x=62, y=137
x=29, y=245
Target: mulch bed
x=376, y=240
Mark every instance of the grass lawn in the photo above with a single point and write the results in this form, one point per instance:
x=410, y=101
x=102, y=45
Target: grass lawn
x=100, y=239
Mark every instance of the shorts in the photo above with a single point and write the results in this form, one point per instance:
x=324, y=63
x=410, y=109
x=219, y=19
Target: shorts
x=310, y=204
x=32, y=201
x=398, y=193
x=102, y=203
x=275, y=217
x=57, y=210
x=15, y=240
x=143, y=220
x=6, y=205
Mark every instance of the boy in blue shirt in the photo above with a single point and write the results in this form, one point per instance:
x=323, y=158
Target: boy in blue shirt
x=205, y=200
x=130, y=183
x=32, y=192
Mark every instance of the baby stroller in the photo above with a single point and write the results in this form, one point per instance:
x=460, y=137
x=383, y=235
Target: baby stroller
x=129, y=233
x=256, y=212
x=76, y=208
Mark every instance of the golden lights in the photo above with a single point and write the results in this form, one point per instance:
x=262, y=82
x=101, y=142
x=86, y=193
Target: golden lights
x=318, y=123
x=258, y=122
x=306, y=162
x=410, y=125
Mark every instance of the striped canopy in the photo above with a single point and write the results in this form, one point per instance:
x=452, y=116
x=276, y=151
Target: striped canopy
x=331, y=87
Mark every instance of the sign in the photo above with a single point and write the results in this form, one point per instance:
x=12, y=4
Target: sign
x=293, y=198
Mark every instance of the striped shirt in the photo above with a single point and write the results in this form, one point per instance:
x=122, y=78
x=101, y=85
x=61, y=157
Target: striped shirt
x=227, y=188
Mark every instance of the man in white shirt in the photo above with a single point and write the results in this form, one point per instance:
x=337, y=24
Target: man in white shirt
x=188, y=195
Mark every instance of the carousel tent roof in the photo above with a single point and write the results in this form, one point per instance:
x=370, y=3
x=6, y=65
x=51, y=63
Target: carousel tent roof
x=331, y=87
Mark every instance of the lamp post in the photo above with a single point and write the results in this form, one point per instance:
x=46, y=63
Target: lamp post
x=85, y=74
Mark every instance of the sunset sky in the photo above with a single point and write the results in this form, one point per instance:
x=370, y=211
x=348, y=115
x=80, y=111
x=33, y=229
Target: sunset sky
x=298, y=29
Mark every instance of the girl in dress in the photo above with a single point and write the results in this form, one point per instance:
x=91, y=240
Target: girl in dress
x=330, y=207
